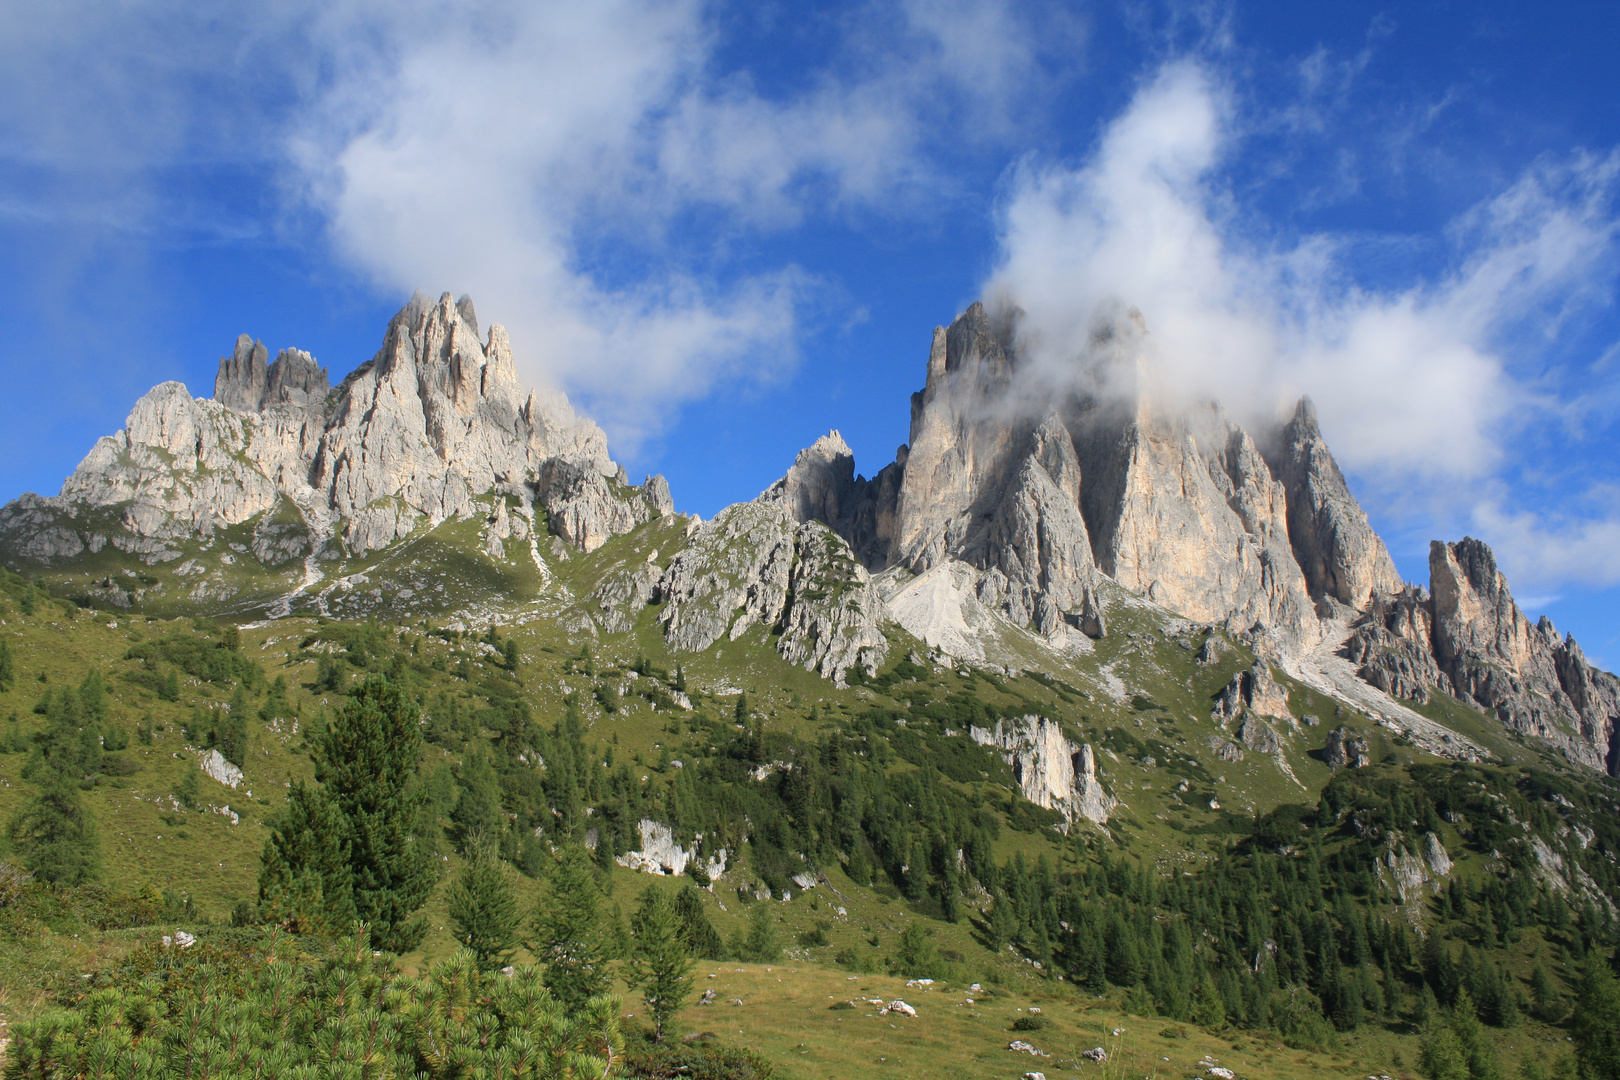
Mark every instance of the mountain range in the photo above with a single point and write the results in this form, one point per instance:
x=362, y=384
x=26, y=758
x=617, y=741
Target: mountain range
x=1003, y=534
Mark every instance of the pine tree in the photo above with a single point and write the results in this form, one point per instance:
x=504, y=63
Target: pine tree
x=304, y=879
x=7, y=672
x=702, y=939
x=56, y=834
x=760, y=944
x=482, y=907
x=571, y=939
x=1596, y=1024
x=914, y=954
x=1544, y=996
x=478, y=809
x=661, y=966
x=230, y=730
x=368, y=802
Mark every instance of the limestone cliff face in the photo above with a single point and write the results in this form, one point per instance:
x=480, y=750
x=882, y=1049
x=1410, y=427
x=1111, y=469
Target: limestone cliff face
x=755, y=564
x=1467, y=637
x=412, y=435
x=1051, y=770
x=1342, y=558
x=1037, y=499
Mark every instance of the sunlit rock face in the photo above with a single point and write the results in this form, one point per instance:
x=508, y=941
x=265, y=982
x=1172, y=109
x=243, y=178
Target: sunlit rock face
x=434, y=419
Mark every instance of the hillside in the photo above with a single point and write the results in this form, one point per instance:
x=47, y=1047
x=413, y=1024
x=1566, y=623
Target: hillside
x=991, y=718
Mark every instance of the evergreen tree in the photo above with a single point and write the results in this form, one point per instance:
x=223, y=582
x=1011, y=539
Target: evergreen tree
x=702, y=939
x=1124, y=959
x=7, y=672
x=914, y=954
x=304, y=879
x=1544, y=996
x=482, y=907
x=365, y=808
x=93, y=697
x=478, y=809
x=760, y=944
x=230, y=730
x=56, y=834
x=571, y=939
x=660, y=967
x=1596, y=1024
x=169, y=686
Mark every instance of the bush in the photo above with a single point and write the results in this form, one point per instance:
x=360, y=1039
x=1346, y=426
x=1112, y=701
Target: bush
x=697, y=1061
x=1029, y=1023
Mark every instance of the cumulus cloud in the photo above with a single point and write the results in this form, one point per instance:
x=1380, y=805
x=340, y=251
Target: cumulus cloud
x=588, y=172
x=1407, y=381
x=543, y=158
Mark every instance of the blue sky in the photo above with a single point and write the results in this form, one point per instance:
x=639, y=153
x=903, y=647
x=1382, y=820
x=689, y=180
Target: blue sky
x=725, y=229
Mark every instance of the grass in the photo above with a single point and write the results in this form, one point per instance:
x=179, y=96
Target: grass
x=1164, y=716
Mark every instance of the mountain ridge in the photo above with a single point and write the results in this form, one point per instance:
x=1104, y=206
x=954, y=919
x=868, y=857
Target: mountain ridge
x=1009, y=516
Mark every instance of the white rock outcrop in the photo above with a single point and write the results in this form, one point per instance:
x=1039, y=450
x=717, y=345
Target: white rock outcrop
x=754, y=565
x=660, y=854
x=1051, y=771
x=216, y=767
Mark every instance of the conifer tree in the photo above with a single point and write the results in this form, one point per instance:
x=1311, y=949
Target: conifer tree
x=660, y=965
x=482, y=907
x=702, y=939
x=56, y=834
x=304, y=879
x=571, y=938
x=364, y=811
x=760, y=944
x=478, y=809
x=7, y=671
x=1596, y=1024
x=230, y=729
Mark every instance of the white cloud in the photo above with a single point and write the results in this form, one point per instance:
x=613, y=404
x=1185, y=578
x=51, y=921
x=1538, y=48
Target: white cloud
x=585, y=171
x=1409, y=382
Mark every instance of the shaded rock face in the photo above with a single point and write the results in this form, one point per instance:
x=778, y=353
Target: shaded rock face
x=1256, y=691
x=1466, y=637
x=1344, y=748
x=1052, y=771
x=436, y=418
x=755, y=564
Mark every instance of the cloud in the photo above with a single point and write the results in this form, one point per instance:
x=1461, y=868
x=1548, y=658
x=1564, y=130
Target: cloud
x=598, y=176
x=1410, y=382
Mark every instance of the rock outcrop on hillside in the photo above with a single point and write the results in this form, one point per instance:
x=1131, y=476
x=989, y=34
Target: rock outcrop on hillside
x=755, y=565
x=1467, y=637
x=434, y=419
x=1051, y=770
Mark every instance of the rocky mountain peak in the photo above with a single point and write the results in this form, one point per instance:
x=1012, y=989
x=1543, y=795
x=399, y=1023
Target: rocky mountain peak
x=435, y=419
x=1468, y=637
x=247, y=384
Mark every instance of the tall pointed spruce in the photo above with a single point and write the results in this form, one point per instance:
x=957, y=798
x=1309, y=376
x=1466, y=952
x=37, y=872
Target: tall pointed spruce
x=570, y=938
x=482, y=908
x=55, y=832
x=366, y=762
x=661, y=966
